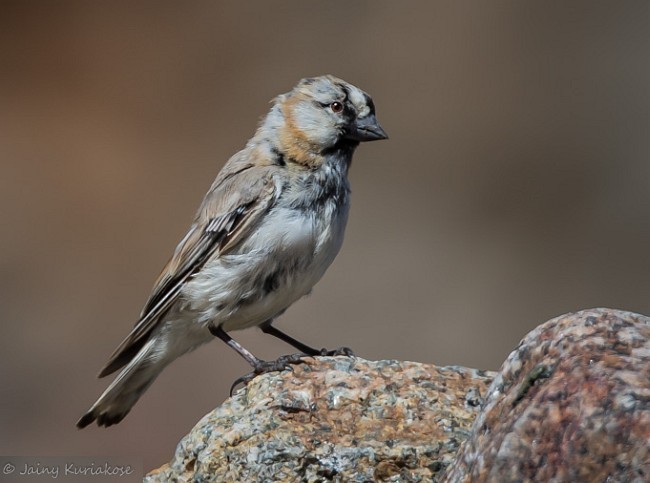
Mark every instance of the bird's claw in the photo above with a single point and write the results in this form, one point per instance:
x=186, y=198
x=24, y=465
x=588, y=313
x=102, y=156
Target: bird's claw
x=341, y=351
x=284, y=362
x=263, y=367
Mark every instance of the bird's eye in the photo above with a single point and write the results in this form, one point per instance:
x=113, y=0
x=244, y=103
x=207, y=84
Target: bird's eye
x=336, y=107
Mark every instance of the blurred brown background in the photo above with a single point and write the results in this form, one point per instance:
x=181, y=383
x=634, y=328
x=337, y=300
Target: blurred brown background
x=514, y=186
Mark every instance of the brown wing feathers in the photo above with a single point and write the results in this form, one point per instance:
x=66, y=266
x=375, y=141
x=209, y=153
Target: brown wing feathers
x=206, y=239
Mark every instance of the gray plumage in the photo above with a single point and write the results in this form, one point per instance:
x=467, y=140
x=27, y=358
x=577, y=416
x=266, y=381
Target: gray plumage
x=266, y=231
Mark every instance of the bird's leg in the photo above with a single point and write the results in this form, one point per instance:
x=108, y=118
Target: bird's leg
x=259, y=366
x=218, y=331
x=267, y=328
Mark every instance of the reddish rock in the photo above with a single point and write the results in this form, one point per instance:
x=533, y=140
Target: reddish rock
x=571, y=404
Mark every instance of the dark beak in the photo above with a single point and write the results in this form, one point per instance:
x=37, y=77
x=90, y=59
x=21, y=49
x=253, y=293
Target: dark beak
x=366, y=129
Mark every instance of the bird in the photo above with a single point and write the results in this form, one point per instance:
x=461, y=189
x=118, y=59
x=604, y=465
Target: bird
x=265, y=233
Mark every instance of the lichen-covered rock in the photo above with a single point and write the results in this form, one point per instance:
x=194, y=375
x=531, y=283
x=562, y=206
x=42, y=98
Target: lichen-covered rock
x=336, y=419
x=571, y=404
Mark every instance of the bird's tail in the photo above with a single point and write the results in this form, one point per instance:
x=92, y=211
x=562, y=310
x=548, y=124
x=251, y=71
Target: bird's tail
x=118, y=399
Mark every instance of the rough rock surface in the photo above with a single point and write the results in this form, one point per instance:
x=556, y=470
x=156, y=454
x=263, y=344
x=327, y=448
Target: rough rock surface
x=336, y=419
x=570, y=404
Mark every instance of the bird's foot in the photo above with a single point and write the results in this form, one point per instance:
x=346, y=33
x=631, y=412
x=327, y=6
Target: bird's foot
x=263, y=367
x=341, y=351
x=285, y=362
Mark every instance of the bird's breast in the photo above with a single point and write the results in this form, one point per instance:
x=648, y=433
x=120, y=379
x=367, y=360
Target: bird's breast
x=280, y=261
x=301, y=240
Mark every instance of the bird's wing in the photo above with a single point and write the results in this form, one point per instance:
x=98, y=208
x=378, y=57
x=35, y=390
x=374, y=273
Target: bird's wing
x=235, y=203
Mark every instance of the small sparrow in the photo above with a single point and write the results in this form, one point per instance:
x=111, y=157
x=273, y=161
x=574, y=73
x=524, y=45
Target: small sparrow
x=266, y=231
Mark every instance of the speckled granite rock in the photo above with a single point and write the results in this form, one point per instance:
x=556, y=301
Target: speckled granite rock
x=571, y=404
x=334, y=419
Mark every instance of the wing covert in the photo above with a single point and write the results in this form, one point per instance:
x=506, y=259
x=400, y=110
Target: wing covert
x=234, y=213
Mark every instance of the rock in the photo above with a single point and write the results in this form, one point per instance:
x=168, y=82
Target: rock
x=337, y=419
x=570, y=404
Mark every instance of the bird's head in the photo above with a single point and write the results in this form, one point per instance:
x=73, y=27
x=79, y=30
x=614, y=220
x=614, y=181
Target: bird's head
x=324, y=113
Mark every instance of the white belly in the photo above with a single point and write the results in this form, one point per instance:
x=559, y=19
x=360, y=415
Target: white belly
x=279, y=263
